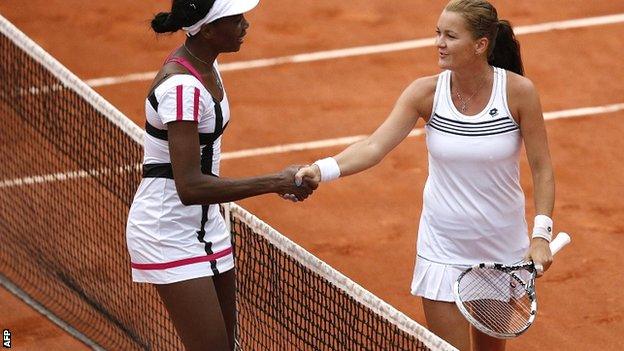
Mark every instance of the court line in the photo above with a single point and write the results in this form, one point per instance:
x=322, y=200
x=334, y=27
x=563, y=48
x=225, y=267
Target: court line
x=279, y=149
x=15, y=290
x=363, y=50
x=263, y=151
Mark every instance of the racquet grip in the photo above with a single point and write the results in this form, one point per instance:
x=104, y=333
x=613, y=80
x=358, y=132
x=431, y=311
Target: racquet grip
x=562, y=239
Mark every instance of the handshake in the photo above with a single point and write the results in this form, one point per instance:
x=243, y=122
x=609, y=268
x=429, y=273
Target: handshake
x=298, y=182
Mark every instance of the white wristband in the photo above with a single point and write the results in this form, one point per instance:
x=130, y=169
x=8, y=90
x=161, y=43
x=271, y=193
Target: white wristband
x=542, y=227
x=329, y=169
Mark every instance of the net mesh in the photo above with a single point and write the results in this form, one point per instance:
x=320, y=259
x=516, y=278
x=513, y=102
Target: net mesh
x=70, y=166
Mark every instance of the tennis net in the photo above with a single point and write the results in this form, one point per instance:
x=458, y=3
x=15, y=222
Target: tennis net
x=70, y=166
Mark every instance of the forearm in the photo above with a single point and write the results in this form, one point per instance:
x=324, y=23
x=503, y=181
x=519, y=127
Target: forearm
x=544, y=195
x=366, y=153
x=358, y=157
x=544, y=192
x=206, y=190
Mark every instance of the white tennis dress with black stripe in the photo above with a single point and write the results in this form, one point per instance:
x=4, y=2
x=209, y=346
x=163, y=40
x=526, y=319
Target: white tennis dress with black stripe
x=168, y=241
x=473, y=205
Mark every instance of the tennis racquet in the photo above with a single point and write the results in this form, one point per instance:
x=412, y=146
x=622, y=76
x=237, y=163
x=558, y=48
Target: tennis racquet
x=500, y=300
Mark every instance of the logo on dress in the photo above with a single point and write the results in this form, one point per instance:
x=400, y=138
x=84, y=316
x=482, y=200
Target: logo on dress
x=493, y=112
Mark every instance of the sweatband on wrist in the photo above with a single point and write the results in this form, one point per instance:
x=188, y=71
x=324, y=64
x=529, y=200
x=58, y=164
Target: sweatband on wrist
x=329, y=169
x=542, y=227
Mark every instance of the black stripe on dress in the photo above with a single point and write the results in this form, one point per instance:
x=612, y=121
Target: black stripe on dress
x=153, y=101
x=494, y=127
x=472, y=129
x=201, y=234
x=206, y=168
x=474, y=134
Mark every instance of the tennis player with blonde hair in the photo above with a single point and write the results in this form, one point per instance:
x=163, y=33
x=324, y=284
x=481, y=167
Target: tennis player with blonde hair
x=478, y=112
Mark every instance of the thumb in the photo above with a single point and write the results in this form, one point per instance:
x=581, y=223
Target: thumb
x=539, y=268
x=299, y=176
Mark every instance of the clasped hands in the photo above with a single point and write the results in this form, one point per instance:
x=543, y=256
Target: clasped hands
x=300, y=182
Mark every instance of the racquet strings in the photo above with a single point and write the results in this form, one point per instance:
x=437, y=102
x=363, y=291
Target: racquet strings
x=496, y=299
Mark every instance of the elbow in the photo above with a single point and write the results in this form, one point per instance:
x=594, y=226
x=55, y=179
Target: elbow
x=375, y=152
x=187, y=199
x=186, y=193
x=199, y=192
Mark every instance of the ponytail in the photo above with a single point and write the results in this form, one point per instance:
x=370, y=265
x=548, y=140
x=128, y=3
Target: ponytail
x=163, y=23
x=506, y=50
x=184, y=13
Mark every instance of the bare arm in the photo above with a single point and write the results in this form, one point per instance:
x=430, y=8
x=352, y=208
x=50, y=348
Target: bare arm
x=536, y=143
x=195, y=188
x=401, y=120
x=531, y=119
x=415, y=101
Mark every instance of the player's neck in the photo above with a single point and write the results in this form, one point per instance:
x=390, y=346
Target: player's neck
x=470, y=78
x=200, y=53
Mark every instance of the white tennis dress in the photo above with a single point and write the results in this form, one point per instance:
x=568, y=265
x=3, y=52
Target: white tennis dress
x=473, y=205
x=168, y=241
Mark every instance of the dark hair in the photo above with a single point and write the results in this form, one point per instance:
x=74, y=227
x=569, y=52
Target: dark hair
x=482, y=20
x=183, y=13
x=506, y=53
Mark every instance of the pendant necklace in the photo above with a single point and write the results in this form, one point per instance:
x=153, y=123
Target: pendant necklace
x=463, y=104
x=214, y=71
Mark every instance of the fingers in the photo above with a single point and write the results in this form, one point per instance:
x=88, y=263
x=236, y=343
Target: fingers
x=311, y=183
x=311, y=173
x=290, y=197
x=301, y=182
x=302, y=192
x=539, y=269
x=301, y=173
x=296, y=193
x=299, y=176
x=539, y=253
x=299, y=196
x=541, y=263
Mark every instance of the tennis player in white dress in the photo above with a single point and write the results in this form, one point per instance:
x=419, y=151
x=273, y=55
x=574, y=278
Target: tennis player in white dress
x=176, y=236
x=478, y=112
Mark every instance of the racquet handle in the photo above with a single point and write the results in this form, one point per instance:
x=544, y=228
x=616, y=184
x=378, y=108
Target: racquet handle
x=562, y=239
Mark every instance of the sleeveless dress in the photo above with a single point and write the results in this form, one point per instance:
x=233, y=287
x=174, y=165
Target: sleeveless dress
x=473, y=205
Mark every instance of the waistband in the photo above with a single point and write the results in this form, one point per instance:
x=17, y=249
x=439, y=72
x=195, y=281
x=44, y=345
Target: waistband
x=162, y=170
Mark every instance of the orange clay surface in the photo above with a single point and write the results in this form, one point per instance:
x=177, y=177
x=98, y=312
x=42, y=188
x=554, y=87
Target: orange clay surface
x=365, y=225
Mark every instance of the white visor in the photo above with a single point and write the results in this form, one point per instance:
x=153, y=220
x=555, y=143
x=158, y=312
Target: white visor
x=220, y=9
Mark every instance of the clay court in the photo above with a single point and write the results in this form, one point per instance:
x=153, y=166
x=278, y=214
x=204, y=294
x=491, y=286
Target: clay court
x=365, y=226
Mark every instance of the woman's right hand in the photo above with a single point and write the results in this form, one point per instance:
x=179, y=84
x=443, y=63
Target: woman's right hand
x=295, y=190
x=310, y=174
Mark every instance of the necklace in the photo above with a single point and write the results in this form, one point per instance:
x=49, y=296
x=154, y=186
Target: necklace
x=463, y=104
x=214, y=71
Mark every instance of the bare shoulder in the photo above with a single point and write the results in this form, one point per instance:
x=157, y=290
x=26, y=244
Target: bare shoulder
x=423, y=86
x=523, y=99
x=421, y=93
x=519, y=86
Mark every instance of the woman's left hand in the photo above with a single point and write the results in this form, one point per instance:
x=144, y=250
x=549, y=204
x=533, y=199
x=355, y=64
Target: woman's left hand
x=540, y=254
